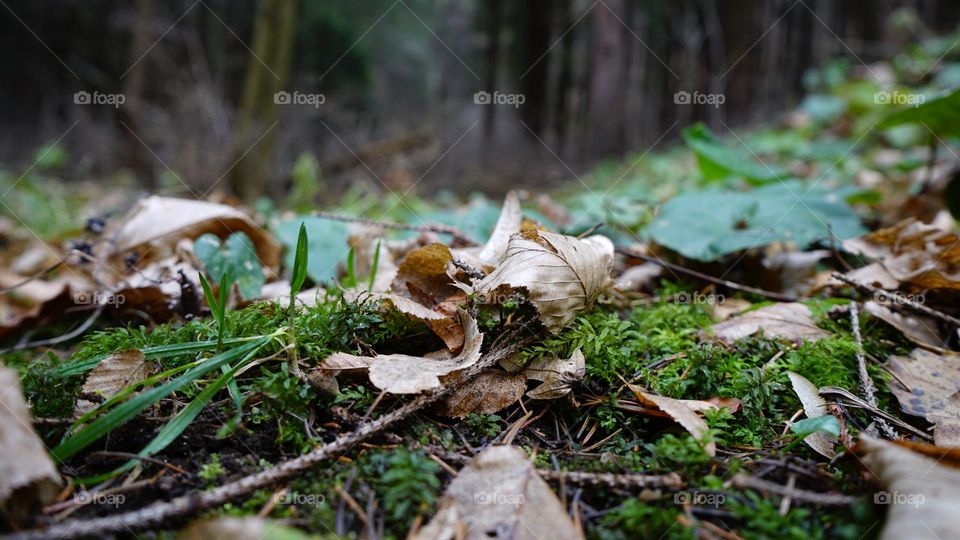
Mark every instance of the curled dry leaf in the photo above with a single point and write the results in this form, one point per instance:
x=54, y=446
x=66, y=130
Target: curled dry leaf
x=113, y=374
x=562, y=275
x=487, y=393
x=499, y=495
x=240, y=528
x=922, y=495
x=488, y=255
x=28, y=479
x=557, y=374
x=813, y=406
x=922, y=331
x=423, y=288
x=683, y=412
x=790, y=321
x=928, y=385
x=159, y=221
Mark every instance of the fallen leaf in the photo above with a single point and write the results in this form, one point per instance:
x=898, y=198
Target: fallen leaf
x=722, y=311
x=683, y=412
x=814, y=406
x=638, y=277
x=562, y=275
x=28, y=479
x=922, y=331
x=790, y=321
x=921, y=495
x=508, y=224
x=113, y=374
x=928, y=385
x=557, y=374
x=240, y=528
x=499, y=495
x=487, y=393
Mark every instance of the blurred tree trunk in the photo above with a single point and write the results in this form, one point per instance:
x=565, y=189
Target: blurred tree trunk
x=535, y=36
x=606, y=121
x=136, y=157
x=494, y=26
x=267, y=72
x=561, y=107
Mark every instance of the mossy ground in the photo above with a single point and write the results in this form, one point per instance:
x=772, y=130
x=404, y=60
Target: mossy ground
x=398, y=476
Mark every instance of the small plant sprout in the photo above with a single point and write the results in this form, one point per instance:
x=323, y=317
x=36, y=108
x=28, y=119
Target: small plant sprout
x=297, y=278
x=218, y=303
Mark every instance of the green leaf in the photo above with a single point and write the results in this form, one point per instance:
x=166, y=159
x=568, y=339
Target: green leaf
x=709, y=224
x=941, y=115
x=300, y=261
x=718, y=161
x=237, y=256
x=820, y=424
x=210, y=297
x=327, y=245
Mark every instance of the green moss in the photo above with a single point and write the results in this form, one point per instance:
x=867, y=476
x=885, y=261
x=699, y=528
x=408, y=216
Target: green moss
x=637, y=519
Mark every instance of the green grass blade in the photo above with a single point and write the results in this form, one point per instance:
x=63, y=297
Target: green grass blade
x=373, y=269
x=159, y=352
x=299, y=274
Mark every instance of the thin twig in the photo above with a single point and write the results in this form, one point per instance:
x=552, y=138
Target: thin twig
x=161, y=514
x=706, y=277
x=59, y=339
x=866, y=383
x=667, y=481
x=827, y=499
x=899, y=299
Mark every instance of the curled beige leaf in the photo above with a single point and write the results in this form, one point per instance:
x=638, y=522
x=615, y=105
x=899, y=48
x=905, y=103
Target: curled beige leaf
x=790, y=321
x=28, y=479
x=557, y=375
x=488, y=255
x=920, y=494
x=499, y=495
x=562, y=275
x=113, y=374
x=813, y=406
x=683, y=412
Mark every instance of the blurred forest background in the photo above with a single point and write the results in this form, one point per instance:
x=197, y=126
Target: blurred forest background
x=398, y=80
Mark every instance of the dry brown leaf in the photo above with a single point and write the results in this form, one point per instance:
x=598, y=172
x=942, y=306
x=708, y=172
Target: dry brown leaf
x=813, y=406
x=499, y=495
x=28, y=479
x=922, y=331
x=922, y=495
x=113, y=374
x=557, y=374
x=405, y=374
x=683, y=412
x=428, y=270
x=562, y=275
x=487, y=393
x=790, y=321
x=157, y=221
x=932, y=391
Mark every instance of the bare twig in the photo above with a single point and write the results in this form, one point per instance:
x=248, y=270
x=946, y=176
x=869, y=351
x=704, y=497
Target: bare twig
x=827, y=499
x=666, y=481
x=706, y=277
x=899, y=299
x=161, y=514
x=866, y=383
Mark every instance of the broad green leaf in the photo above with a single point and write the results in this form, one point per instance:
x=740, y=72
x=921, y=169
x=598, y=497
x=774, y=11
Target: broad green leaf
x=718, y=161
x=709, y=224
x=326, y=248
x=820, y=424
x=237, y=256
x=941, y=115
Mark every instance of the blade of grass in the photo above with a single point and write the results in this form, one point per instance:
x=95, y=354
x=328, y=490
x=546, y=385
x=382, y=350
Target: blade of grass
x=159, y=352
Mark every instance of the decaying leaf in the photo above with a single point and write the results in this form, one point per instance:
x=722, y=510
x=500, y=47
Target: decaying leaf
x=814, y=406
x=240, y=528
x=113, y=374
x=683, y=412
x=920, y=330
x=28, y=479
x=562, y=275
x=164, y=221
x=928, y=385
x=790, y=321
x=499, y=495
x=557, y=375
x=922, y=495
x=487, y=393
x=637, y=277
x=488, y=255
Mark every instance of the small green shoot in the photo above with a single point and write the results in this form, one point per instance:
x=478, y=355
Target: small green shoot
x=218, y=303
x=297, y=279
